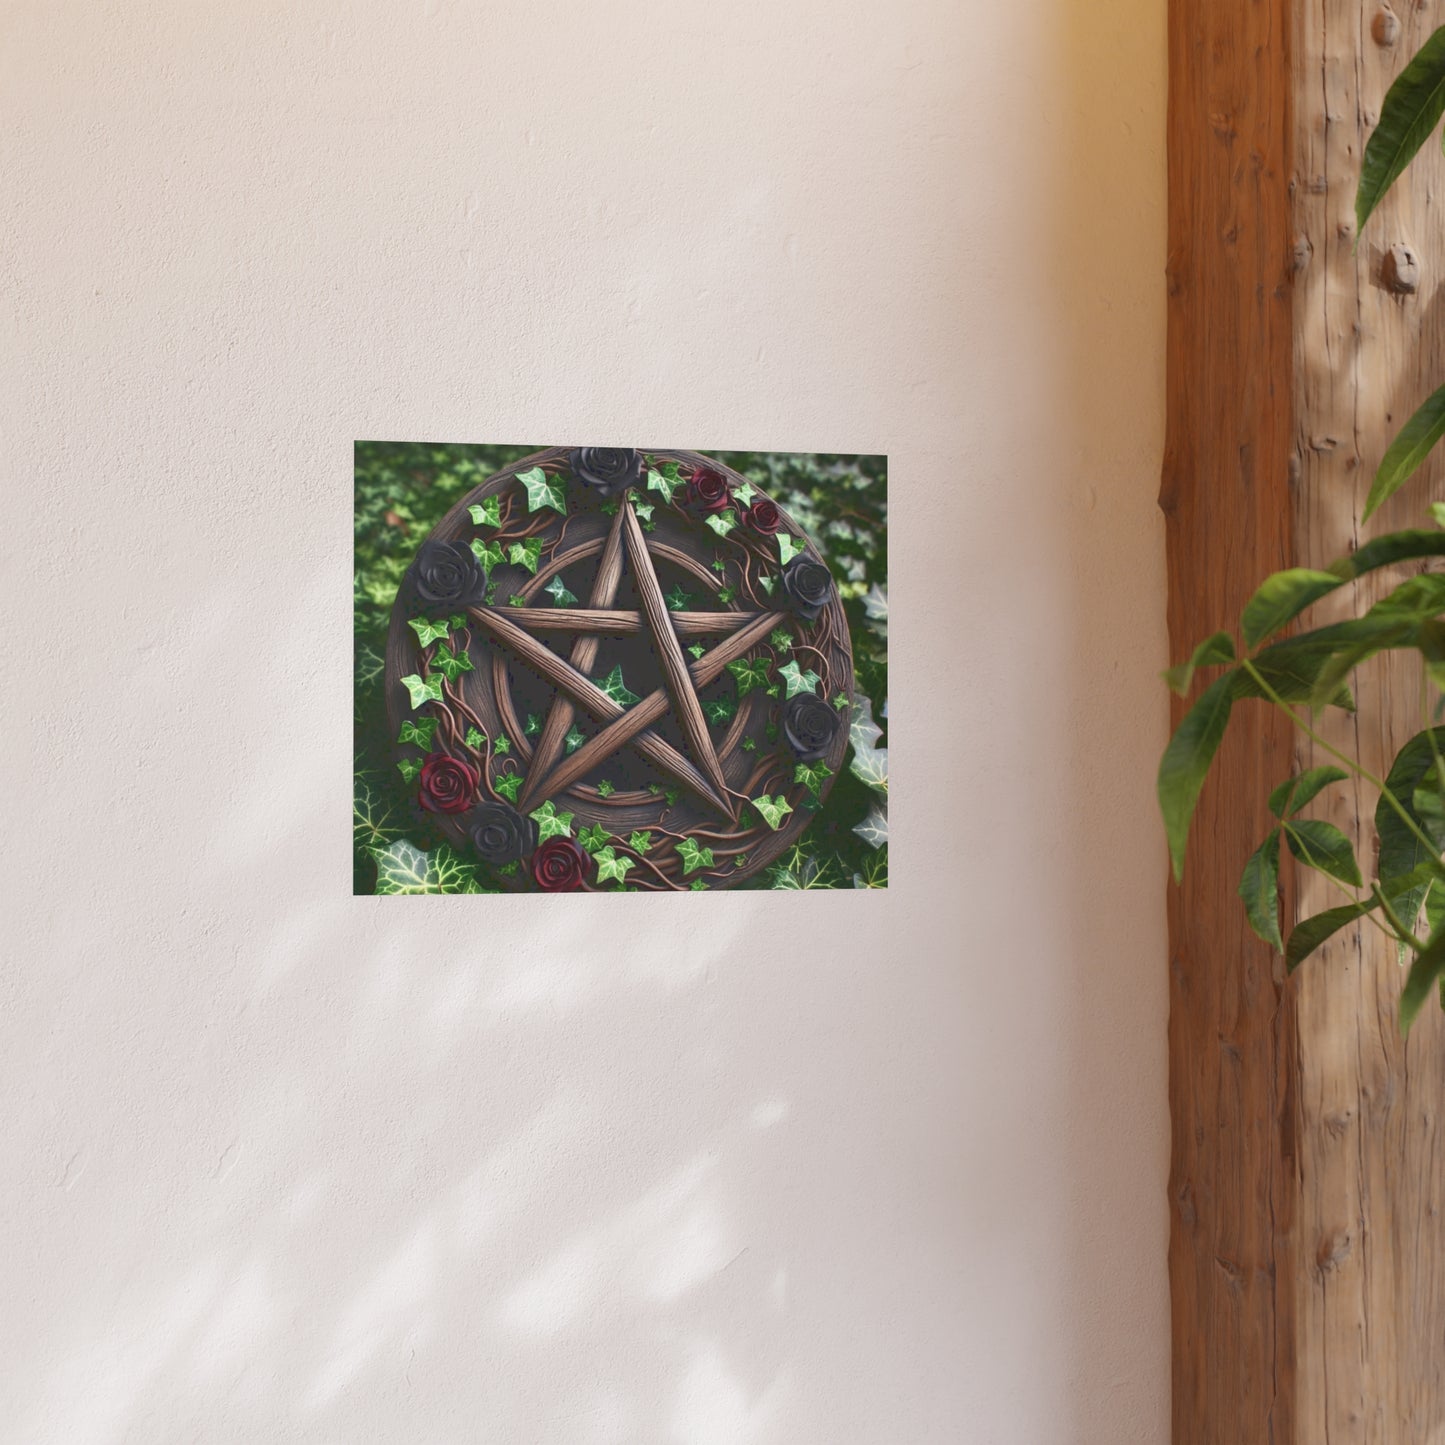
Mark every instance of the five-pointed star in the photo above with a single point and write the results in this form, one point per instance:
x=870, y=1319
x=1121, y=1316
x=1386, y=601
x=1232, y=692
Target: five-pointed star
x=703, y=775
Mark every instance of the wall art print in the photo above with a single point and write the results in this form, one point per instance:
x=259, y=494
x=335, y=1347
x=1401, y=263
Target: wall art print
x=597, y=669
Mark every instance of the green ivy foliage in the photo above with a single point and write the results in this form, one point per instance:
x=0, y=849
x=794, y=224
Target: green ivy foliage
x=404, y=488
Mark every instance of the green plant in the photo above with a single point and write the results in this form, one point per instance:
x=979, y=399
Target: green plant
x=1307, y=672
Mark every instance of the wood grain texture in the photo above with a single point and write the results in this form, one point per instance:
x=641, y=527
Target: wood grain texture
x=1307, y=1259
x=609, y=623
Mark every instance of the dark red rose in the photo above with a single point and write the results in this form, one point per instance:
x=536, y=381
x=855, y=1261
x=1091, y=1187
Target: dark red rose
x=447, y=785
x=708, y=490
x=560, y=865
x=764, y=516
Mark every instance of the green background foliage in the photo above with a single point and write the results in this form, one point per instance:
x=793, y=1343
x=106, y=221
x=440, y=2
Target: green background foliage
x=404, y=488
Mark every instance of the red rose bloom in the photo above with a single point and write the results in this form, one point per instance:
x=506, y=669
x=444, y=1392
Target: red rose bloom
x=764, y=516
x=708, y=490
x=560, y=865
x=447, y=785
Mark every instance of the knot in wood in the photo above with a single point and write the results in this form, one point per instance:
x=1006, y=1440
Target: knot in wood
x=1385, y=27
x=1400, y=271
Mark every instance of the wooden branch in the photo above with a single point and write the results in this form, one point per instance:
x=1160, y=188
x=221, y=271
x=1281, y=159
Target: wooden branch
x=586, y=692
x=616, y=735
x=609, y=623
x=670, y=654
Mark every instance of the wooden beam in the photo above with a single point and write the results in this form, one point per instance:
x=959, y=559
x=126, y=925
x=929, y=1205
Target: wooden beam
x=1307, y=1258
x=611, y=623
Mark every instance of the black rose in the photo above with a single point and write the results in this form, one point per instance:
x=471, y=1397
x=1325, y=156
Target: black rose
x=810, y=725
x=447, y=574
x=500, y=834
x=809, y=585
x=609, y=471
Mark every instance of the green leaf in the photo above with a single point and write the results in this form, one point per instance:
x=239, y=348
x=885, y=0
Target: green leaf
x=1259, y=887
x=697, y=650
x=1401, y=852
x=402, y=868
x=726, y=594
x=677, y=599
x=640, y=842
x=451, y=664
x=550, y=823
x=870, y=762
x=508, y=785
x=1219, y=648
x=543, y=491
x=487, y=513
x=812, y=776
x=423, y=691
x=873, y=830
x=1297, y=792
x=1405, y=546
x=502, y=746
x=749, y=674
x=781, y=638
x=533, y=725
x=428, y=632
x=1308, y=934
x=574, y=739
x=773, y=810
x=768, y=582
x=476, y=740
x=1322, y=846
x=1186, y=761
x=1427, y=969
x=698, y=885
x=605, y=789
x=609, y=865
x=749, y=745
x=372, y=820
x=409, y=768
x=841, y=701
x=516, y=600
x=1413, y=105
x=592, y=838
x=643, y=510
x=745, y=493
x=720, y=710
x=797, y=680
x=789, y=547
x=722, y=522
x=665, y=480
x=526, y=553
x=1415, y=441
x=556, y=589
x=489, y=554
x=618, y=690
x=418, y=732
x=670, y=797
x=1279, y=600
x=693, y=857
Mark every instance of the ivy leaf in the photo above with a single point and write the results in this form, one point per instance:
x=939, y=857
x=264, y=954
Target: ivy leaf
x=1322, y=846
x=797, y=680
x=574, y=739
x=371, y=818
x=726, y=594
x=508, y=785
x=750, y=745
x=489, y=554
x=640, y=842
x=720, y=710
x=611, y=507
x=693, y=857
x=665, y=479
x=1259, y=888
x=781, y=638
x=789, y=547
x=698, y=886
x=488, y=513
x=1186, y=760
x=502, y=746
x=719, y=564
x=749, y=674
x=1297, y=792
x=697, y=649
x=428, y=632
x=605, y=789
x=841, y=701
x=403, y=868
x=543, y=491
x=550, y=823
x=1412, y=108
x=722, y=522
x=422, y=691
x=609, y=865
x=409, y=768
x=533, y=725
x=451, y=664
x=746, y=493
x=419, y=733
x=476, y=740
x=618, y=690
x=516, y=600
x=773, y=810
x=642, y=510
x=873, y=830
x=875, y=605
x=592, y=838
x=812, y=776
x=526, y=553
x=677, y=599
x=670, y=797
x=768, y=582
x=556, y=589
